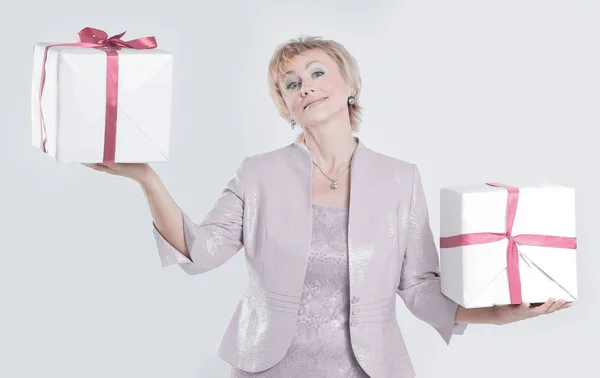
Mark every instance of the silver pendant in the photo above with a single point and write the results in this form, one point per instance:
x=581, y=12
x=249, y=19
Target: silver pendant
x=333, y=185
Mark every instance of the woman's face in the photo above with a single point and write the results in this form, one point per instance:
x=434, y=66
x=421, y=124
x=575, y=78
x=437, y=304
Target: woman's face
x=314, y=76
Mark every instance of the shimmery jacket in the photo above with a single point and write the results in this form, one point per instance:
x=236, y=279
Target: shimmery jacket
x=266, y=208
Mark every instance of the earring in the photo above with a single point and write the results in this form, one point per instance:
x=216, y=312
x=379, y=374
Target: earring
x=351, y=100
x=293, y=124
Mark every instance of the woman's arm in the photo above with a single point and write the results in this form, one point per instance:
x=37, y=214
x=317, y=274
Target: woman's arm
x=198, y=247
x=483, y=315
x=420, y=280
x=166, y=214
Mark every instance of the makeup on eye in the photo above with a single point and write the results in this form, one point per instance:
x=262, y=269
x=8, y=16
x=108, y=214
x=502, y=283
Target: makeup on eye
x=288, y=86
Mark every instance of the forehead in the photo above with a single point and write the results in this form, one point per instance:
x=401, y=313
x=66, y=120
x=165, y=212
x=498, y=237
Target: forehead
x=299, y=62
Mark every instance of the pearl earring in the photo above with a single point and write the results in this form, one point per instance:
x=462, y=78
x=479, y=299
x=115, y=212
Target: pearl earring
x=351, y=100
x=293, y=123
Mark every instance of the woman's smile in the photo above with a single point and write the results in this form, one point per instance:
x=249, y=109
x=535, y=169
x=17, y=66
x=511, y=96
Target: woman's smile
x=315, y=103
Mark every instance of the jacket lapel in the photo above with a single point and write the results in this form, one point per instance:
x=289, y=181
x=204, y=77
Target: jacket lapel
x=358, y=205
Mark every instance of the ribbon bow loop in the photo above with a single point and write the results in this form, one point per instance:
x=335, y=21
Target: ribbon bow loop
x=91, y=35
x=99, y=38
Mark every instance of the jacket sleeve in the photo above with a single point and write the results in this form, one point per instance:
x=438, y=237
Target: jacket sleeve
x=420, y=283
x=217, y=238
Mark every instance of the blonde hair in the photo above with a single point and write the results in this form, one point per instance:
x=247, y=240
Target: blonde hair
x=345, y=61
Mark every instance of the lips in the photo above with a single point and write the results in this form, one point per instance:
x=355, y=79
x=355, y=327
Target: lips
x=315, y=102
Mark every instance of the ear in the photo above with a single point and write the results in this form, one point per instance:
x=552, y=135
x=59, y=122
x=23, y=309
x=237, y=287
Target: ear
x=352, y=90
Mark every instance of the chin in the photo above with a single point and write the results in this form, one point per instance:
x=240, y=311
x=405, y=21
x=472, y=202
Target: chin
x=317, y=120
x=319, y=117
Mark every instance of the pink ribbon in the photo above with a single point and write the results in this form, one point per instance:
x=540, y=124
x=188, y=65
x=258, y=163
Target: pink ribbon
x=95, y=38
x=514, y=277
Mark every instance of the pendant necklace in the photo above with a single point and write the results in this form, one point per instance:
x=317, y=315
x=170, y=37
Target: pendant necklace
x=334, y=184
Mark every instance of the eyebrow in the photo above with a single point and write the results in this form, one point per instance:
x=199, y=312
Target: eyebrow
x=307, y=64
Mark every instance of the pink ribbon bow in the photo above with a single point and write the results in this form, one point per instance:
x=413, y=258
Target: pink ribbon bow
x=514, y=277
x=95, y=38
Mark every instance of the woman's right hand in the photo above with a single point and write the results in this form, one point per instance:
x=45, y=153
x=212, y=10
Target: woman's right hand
x=134, y=171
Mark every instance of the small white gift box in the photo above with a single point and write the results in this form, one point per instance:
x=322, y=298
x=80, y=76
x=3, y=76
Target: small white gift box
x=477, y=266
x=75, y=104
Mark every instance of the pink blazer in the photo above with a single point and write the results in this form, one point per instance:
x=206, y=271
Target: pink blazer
x=266, y=208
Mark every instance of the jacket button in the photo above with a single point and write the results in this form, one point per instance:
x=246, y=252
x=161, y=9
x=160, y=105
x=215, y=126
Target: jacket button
x=353, y=323
x=355, y=299
x=355, y=311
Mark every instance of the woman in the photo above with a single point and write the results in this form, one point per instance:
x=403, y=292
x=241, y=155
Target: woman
x=327, y=249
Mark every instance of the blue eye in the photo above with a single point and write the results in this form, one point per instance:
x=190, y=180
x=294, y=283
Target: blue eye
x=289, y=86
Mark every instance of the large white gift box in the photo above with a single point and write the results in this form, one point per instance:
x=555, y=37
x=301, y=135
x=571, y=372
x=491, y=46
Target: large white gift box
x=476, y=273
x=74, y=104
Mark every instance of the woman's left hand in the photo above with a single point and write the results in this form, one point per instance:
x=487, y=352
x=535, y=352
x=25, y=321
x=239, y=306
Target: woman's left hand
x=514, y=313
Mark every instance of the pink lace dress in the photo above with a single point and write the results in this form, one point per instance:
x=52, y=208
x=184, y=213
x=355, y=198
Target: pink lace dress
x=321, y=347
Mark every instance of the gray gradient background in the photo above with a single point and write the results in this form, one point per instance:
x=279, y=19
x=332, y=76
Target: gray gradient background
x=503, y=91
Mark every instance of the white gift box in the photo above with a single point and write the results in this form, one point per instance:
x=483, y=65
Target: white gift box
x=476, y=275
x=74, y=104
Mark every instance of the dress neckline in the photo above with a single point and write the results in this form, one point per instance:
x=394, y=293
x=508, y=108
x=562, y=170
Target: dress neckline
x=330, y=207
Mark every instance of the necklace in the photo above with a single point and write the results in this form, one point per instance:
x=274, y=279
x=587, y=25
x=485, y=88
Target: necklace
x=334, y=184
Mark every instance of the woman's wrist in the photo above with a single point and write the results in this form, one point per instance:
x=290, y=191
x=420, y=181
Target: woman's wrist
x=482, y=315
x=146, y=178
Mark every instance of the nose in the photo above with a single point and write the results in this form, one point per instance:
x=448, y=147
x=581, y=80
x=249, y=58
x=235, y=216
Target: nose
x=306, y=90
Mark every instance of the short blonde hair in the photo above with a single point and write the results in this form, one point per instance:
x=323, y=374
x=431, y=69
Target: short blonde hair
x=345, y=61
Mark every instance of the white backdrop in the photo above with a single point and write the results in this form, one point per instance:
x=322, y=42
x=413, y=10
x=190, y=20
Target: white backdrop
x=484, y=91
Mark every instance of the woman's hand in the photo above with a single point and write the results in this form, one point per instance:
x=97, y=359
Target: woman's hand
x=514, y=313
x=134, y=171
